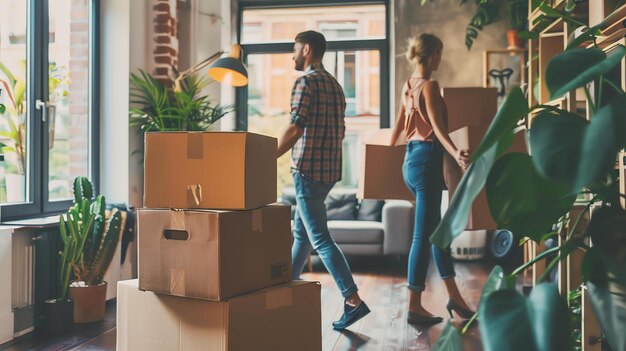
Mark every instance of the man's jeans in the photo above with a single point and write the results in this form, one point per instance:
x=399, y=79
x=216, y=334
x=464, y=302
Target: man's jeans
x=311, y=233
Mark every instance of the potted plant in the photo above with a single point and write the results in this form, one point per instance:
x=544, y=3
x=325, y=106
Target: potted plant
x=487, y=13
x=90, y=240
x=58, y=312
x=533, y=195
x=158, y=108
x=12, y=140
x=517, y=13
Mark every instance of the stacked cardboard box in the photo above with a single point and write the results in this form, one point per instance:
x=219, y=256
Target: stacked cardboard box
x=214, y=253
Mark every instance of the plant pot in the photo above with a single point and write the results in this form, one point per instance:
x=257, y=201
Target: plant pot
x=57, y=316
x=513, y=40
x=16, y=188
x=89, y=303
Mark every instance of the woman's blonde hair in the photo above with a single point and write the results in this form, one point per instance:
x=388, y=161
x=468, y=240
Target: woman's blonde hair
x=422, y=47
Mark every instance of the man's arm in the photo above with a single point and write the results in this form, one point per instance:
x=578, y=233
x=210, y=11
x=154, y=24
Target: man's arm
x=300, y=101
x=292, y=134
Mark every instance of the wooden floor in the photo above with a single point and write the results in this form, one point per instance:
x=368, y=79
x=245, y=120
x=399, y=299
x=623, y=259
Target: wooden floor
x=382, y=284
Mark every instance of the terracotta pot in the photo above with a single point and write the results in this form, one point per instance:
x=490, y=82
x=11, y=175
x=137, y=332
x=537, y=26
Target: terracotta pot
x=513, y=40
x=89, y=303
x=57, y=317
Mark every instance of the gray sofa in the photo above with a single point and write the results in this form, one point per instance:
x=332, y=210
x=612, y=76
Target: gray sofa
x=365, y=227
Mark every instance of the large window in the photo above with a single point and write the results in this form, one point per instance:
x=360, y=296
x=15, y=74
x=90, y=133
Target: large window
x=356, y=57
x=48, y=52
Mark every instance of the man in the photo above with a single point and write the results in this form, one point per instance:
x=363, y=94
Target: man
x=316, y=132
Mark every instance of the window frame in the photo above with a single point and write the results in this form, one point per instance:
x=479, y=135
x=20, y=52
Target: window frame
x=38, y=203
x=382, y=45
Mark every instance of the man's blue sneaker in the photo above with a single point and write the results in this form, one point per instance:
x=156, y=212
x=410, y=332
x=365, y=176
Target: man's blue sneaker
x=351, y=315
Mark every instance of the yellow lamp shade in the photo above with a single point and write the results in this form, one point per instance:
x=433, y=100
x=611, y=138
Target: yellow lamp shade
x=230, y=70
x=227, y=74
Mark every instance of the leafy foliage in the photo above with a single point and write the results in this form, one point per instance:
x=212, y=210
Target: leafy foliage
x=13, y=140
x=158, y=108
x=572, y=163
x=487, y=13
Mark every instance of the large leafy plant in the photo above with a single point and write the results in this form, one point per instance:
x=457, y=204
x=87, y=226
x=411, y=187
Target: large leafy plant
x=486, y=13
x=89, y=238
x=156, y=107
x=13, y=140
x=571, y=162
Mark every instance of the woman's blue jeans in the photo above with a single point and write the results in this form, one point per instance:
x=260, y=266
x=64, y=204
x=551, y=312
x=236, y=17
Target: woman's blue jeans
x=423, y=175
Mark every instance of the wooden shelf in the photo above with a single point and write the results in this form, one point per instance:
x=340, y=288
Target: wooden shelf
x=553, y=39
x=610, y=41
x=605, y=11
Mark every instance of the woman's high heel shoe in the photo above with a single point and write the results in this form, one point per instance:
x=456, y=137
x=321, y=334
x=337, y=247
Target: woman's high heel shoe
x=414, y=318
x=462, y=312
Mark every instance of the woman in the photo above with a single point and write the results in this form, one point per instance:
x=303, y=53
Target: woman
x=423, y=117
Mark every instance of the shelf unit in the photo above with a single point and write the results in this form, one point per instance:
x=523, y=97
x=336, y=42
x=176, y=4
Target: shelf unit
x=554, y=36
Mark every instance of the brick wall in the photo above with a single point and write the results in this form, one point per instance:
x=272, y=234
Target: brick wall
x=166, y=40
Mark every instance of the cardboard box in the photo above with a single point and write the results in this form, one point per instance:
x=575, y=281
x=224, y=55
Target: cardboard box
x=218, y=170
x=286, y=317
x=381, y=174
x=469, y=137
x=470, y=106
x=214, y=255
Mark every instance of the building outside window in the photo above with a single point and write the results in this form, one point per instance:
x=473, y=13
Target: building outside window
x=356, y=56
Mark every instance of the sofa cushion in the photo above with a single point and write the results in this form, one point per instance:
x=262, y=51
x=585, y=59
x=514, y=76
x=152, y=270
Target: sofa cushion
x=356, y=232
x=370, y=210
x=341, y=205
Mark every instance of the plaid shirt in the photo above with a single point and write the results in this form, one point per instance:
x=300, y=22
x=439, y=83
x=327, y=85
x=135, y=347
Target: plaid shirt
x=318, y=106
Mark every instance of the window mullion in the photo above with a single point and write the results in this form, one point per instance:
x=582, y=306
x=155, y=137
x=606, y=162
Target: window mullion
x=36, y=57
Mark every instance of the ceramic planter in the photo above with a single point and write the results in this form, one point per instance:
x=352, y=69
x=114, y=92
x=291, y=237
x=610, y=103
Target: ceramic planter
x=58, y=316
x=89, y=303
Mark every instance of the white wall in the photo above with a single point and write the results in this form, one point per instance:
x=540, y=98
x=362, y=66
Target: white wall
x=139, y=58
x=114, y=140
x=211, y=32
x=114, y=60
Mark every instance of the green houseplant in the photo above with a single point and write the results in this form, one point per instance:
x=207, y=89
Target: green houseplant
x=89, y=243
x=156, y=107
x=571, y=164
x=486, y=13
x=517, y=14
x=12, y=140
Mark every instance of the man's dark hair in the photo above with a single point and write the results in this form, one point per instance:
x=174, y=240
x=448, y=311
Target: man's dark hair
x=316, y=41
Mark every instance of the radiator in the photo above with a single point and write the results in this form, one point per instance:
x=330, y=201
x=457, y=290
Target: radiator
x=23, y=294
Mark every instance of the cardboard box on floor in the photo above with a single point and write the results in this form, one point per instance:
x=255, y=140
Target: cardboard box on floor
x=285, y=317
x=381, y=174
x=473, y=106
x=213, y=255
x=469, y=137
x=219, y=170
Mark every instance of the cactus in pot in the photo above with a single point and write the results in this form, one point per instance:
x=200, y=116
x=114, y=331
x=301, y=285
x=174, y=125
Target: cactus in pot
x=90, y=240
